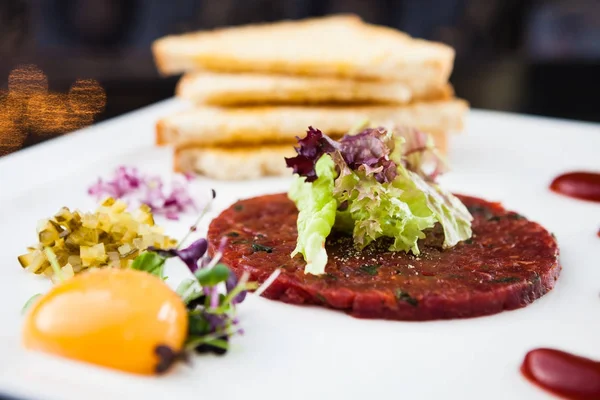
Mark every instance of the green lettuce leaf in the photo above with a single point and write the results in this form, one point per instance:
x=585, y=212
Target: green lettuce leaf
x=360, y=190
x=381, y=209
x=448, y=210
x=316, y=214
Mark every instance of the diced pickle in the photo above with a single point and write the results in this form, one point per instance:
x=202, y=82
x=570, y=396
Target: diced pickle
x=26, y=259
x=145, y=215
x=74, y=260
x=109, y=237
x=108, y=202
x=38, y=263
x=93, y=255
x=63, y=215
x=49, y=232
x=124, y=249
x=66, y=273
x=119, y=207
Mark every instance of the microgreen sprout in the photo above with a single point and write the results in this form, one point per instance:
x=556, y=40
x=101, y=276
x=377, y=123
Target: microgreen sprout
x=58, y=274
x=194, y=227
x=211, y=295
x=54, y=264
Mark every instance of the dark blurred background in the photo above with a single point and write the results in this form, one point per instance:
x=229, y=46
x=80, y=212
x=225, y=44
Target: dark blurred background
x=529, y=56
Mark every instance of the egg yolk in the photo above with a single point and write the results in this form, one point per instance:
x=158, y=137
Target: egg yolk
x=110, y=317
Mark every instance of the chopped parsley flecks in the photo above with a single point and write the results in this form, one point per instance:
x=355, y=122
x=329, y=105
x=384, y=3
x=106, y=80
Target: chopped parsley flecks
x=259, y=247
x=506, y=279
x=330, y=277
x=404, y=296
x=369, y=269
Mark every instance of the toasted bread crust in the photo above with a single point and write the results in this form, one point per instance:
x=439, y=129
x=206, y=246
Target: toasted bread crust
x=225, y=89
x=348, y=48
x=213, y=126
x=237, y=163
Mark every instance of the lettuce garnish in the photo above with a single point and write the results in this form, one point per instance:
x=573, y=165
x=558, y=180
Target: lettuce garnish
x=376, y=183
x=317, y=207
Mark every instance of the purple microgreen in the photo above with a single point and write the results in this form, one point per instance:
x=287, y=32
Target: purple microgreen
x=194, y=342
x=214, y=296
x=236, y=293
x=216, y=322
x=230, y=284
x=167, y=357
x=211, y=297
x=190, y=255
x=223, y=243
x=194, y=226
x=310, y=149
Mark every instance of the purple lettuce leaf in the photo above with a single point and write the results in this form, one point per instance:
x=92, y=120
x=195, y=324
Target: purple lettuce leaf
x=310, y=149
x=369, y=151
x=372, y=152
x=366, y=147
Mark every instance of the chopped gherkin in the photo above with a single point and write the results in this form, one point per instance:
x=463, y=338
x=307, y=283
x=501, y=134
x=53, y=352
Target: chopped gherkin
x=109, y=237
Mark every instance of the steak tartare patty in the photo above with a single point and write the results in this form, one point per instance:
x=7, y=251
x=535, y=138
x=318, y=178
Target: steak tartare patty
x=508, y=263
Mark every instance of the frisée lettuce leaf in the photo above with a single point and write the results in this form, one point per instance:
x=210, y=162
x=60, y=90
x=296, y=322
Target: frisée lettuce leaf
x=373, y=184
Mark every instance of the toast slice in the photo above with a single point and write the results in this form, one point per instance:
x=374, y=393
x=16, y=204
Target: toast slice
x=252, y=162
x=340, y=46
x=228, y=89
x=234, y=163
x=239, y=163
x=214, y=126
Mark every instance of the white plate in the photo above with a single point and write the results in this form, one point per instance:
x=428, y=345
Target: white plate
x=292, y=352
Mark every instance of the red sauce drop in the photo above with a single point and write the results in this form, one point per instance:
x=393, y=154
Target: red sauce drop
x=564, y=374
x=581, y=185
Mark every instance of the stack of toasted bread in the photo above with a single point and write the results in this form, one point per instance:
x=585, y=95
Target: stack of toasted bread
x=255, y=88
